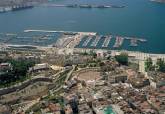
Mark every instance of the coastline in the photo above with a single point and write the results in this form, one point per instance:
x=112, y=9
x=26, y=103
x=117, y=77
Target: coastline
x=158, y=1
x=77, y=37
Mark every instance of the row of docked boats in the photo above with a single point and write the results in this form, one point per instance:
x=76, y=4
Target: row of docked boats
x=107, y=39
x=14, y=8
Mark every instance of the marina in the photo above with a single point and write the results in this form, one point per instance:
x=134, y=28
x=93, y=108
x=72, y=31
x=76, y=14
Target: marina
x=96, y=40
x=106, y=41
x=69, y=39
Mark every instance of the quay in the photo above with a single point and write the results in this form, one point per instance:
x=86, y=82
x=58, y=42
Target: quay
x=95, y=42
x=67, y=42
x=87, y=41
x=63, y=42
x=119, y=41
x=49, y=31
x=76, y=40
x=107, y=41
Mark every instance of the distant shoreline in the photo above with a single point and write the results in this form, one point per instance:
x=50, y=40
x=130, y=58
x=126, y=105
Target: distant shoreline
x=158, y=1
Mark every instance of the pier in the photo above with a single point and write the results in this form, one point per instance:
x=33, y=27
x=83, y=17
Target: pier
x=106, y=41
x=118, y=42
x=95, y=42
x=67, y=42
x=48, y=31
x=134, y=41
x=87, y=41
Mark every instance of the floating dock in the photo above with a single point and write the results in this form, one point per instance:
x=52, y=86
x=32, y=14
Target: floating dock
x=106, y=41
x=87, y=41
x=119, y=41
x=95, y=42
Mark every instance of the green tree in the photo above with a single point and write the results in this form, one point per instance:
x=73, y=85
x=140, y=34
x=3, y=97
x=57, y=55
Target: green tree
x=122, y=58
x=102, y=64
x=109, y=57
x=85, y=53
x=18, y=72
x=148, y=64
x=161, y=65
x=92, y=53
